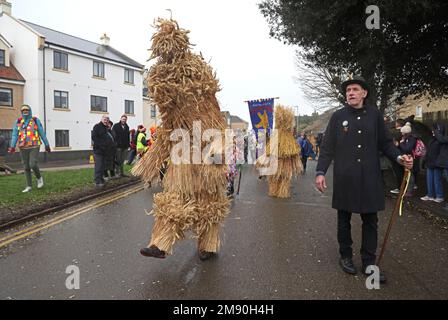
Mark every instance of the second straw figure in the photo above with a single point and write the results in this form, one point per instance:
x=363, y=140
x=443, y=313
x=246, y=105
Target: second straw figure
x=289, y=164
x=184, y=86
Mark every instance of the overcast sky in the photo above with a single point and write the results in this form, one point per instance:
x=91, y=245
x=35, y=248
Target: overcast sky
x=232, y=34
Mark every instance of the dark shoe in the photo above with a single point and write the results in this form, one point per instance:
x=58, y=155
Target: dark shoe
x=348, y=266
x=204, y=255
x=99, y=185
x=383, y=278
x=153, y=251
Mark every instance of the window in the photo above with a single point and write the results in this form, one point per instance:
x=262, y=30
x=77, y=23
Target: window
x=418, y=112
x=153, y=112
x=60, y=100
x=62, y=138
x=5, y=97
x=128, y=107
x=60, y=60
x=98, y=69
x=7, y=134
x=2, y=58
x=98, y=104
x=129, y=76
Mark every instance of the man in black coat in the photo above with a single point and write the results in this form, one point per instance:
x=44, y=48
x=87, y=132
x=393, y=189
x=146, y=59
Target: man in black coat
x=101, y=146
x=442, y=159
x=354, y=137
x=3, y=152
x=121, y=134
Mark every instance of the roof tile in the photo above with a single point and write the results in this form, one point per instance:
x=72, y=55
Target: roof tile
x=81, y=45
x=10, y=73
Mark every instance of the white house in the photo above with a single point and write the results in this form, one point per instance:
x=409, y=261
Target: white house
x=151, y=113
x=72, y=82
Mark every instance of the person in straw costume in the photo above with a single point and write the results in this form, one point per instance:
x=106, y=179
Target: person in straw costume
x=287, y=150
x=184, y=88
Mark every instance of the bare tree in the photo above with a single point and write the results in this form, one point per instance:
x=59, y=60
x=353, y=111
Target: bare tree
x=320, y=85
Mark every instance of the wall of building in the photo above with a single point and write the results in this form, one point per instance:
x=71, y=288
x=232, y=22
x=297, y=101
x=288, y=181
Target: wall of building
x=5, y=48
x=239, y=126
x=28, y=54
x=79, y=82
x=7, y=114
x=24, y=55
x=431, y=111
x=149, y=121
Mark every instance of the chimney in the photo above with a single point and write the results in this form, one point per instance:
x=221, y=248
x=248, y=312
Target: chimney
x=5, y=7
x=105, y=40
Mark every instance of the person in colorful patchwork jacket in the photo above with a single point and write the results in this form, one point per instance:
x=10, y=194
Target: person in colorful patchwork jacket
x=28, y=134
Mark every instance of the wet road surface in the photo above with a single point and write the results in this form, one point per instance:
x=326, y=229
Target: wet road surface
x=271, y=249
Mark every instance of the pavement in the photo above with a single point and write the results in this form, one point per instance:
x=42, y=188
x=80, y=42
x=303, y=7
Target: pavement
x=271, y=249
x=60, y=165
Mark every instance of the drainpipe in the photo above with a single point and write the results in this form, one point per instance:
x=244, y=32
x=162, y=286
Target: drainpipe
x=45, y=104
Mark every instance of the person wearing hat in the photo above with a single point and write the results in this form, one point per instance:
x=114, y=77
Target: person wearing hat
x=29, y=134
x=407, y=146
x=352, y=140
x=142, y=142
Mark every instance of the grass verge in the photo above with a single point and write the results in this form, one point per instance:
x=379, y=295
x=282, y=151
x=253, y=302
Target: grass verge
x=57, y=184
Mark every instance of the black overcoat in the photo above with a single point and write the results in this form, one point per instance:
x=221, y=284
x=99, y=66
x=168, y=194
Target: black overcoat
x=121, y=135
x=442, y=159
x=103, y=141
x=353, y=140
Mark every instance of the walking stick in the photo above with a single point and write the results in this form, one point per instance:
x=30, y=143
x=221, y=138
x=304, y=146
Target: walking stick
x=239, y=180
x=397, y=211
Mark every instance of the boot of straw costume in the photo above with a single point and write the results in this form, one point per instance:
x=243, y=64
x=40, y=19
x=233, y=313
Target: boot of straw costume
x=184, y=88
x=289, y=164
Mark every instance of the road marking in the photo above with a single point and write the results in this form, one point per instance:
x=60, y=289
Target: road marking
x=67, y=216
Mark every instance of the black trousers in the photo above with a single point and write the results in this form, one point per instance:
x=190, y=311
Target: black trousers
x=99, y=167
x=398, y=172
x=304, y=161
x=132, y=155
x=369, y=236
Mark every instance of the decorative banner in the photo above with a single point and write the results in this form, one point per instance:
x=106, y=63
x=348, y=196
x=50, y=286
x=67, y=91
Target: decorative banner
x=262, y=114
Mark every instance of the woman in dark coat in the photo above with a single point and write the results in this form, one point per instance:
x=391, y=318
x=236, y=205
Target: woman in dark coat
x=133, y=146
x=111, y=149
x=407, y=145
x=434, y=160
x=442, y=159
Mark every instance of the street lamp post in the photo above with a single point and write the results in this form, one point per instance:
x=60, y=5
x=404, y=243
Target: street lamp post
x=297, y=119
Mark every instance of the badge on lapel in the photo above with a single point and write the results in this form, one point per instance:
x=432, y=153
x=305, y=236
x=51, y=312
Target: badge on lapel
x=345, y=126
